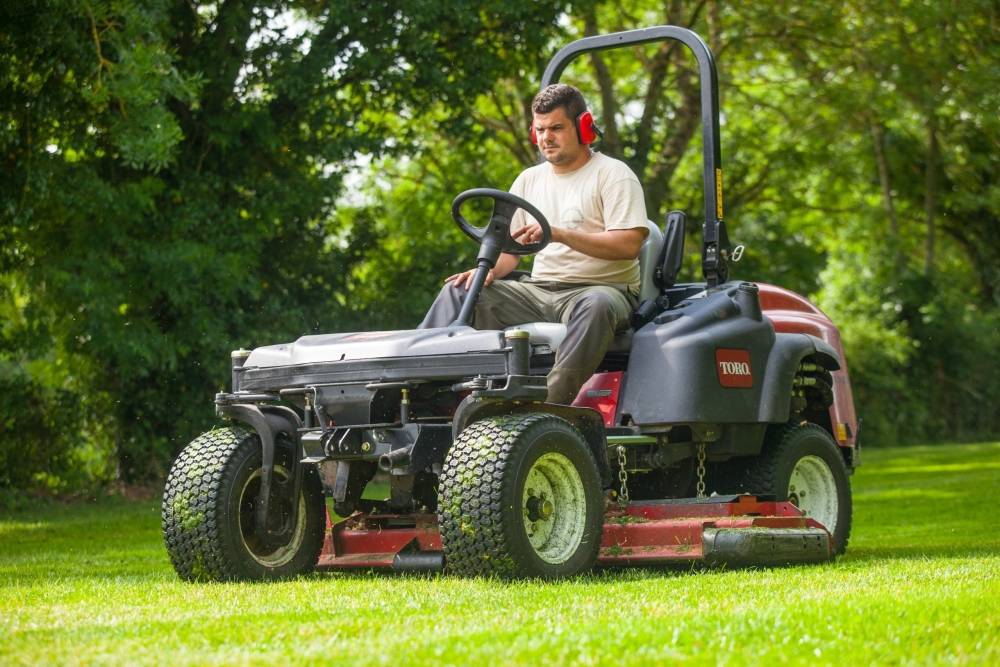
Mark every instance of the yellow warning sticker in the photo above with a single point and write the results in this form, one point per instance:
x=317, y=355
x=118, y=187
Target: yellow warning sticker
x=718, y=194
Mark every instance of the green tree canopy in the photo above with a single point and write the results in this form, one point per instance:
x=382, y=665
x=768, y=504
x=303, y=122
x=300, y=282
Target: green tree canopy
x=184, y=178
x=172, y=169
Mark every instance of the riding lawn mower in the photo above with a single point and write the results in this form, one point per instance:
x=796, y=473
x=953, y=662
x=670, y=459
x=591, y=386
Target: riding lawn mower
x=720, y=429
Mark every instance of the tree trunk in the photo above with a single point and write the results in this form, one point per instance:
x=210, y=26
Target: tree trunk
x=877, y=131
x=686, y=126
x=714, y=26
x=931, y=193
x=611, y=143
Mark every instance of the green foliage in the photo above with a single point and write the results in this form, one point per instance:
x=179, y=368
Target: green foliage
x=922, y=356
x=835, y=199
x=175, y=168
x=182, y=179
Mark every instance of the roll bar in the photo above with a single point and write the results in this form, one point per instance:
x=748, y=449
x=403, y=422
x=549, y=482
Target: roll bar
x=715, y=240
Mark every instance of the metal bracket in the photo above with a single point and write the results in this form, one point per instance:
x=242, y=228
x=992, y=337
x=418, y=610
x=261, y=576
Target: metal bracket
x=269, y=422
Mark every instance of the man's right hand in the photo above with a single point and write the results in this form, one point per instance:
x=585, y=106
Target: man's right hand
x=464, y=279
x=505, y=265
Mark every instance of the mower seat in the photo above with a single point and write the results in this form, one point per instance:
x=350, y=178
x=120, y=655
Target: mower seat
x=551, y=334
x=649, y=254
x=668, y=262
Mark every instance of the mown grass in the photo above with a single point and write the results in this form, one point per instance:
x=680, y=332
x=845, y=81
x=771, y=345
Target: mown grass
x=91, y=584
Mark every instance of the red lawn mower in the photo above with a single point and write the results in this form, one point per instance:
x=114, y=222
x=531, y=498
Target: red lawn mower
x=720, y=429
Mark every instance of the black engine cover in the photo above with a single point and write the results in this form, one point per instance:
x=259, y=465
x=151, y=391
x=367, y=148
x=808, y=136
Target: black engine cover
x=705, y=361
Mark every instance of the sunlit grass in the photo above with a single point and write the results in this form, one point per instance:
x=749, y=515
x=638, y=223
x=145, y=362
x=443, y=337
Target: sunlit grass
x=91, y=584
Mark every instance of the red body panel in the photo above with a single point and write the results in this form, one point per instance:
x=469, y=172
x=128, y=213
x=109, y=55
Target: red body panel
x=600, y=393
x=366, y=542
x=792, y=313
x=640, y=533
x=656, y=532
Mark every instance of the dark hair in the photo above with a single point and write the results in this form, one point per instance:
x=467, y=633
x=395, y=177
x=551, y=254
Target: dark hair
x=558, y=95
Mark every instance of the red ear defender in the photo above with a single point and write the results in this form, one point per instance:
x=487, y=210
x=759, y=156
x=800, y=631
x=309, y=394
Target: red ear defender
x=585, y=129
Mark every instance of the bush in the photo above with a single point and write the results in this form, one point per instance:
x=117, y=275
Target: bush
x=922, y=356
x=46, y=442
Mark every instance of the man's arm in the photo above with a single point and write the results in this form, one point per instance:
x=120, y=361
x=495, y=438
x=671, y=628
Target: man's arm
x=505, y=265
x=612, y=244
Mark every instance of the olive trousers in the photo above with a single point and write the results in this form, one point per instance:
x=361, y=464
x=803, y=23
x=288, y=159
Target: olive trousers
x=593, y=314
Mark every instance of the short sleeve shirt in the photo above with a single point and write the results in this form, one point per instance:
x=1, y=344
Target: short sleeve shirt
x=601, y=195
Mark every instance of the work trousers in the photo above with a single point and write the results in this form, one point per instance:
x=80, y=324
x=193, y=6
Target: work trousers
x=593, y=314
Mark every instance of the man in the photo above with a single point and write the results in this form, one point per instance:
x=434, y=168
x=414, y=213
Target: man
x=588, y=275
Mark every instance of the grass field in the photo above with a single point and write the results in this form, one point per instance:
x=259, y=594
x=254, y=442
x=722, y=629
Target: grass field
x=91, y=584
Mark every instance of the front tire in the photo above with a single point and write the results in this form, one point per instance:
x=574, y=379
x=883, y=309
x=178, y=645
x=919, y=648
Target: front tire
x=520, y=496
x=802, y=464
x=208, y=511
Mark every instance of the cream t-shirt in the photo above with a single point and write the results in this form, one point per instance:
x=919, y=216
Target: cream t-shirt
x=603, y=194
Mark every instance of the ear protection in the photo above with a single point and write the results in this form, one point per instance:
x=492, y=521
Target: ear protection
x=586, y=130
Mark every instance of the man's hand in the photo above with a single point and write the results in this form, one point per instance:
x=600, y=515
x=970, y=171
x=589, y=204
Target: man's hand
x=530, y=233
x=464, y=279
x=611, y=244
x=505, y=265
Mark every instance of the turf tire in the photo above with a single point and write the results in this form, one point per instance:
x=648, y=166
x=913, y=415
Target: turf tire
x=207, y=511
x=811, y=446
x=482, y=511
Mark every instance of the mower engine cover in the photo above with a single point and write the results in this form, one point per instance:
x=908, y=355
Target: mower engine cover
x=376, y=345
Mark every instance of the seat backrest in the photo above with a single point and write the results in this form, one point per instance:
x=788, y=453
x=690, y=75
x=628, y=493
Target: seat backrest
x=668, y=262
x=649, y=255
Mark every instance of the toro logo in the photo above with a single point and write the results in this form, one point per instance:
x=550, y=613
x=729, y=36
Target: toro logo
x=733, y=368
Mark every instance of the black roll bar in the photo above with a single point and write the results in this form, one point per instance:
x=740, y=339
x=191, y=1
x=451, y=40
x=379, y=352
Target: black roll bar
x=715, y=240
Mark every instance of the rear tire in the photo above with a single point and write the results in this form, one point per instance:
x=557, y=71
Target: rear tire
x=208, y=511
x=802, y=464
x=520, y=496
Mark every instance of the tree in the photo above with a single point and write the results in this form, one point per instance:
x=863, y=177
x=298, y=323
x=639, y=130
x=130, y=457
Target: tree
x=174, y=167
x=185, y=178
x=834, y=178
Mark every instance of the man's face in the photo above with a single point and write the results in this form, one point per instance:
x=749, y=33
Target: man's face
x=557, y=137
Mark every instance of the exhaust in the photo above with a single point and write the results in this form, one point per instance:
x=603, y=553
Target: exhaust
x=418, y=561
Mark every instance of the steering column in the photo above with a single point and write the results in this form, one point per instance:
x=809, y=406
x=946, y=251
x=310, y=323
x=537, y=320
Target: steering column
x=495, y=238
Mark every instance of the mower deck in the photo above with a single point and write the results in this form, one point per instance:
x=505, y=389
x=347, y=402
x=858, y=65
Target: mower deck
x=731, y=530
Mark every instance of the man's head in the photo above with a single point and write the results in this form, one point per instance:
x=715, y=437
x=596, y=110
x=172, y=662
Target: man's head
x=555, y=111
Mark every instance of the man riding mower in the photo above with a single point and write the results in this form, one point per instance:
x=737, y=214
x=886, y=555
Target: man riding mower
x=715, y=421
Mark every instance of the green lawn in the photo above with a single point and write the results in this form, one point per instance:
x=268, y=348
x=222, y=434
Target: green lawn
x=91, y=584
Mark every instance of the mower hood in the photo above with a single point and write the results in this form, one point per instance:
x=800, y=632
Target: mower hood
x=376, y=345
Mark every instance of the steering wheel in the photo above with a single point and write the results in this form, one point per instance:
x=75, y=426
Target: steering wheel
x=495, y=237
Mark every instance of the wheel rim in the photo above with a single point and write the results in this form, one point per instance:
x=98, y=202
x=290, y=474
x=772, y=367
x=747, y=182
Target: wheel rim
x=280, y=507
x=813, y=489
x=554, y=506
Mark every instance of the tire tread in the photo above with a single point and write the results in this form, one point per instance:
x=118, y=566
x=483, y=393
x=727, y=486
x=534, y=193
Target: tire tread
x=195, y=512
x=761, y=476
x=471, y=488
